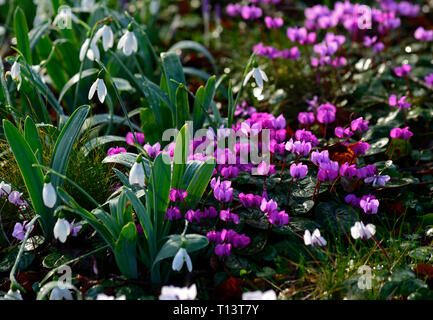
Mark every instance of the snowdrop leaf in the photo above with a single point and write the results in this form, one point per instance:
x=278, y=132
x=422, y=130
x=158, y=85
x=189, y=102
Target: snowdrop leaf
x=172, y=71
x=180, y=157
x=125, y=251
x=21, y=33
x=198, y=182
x=32, y=137
x=182, y=106
x=99, y=141
x=74, y=79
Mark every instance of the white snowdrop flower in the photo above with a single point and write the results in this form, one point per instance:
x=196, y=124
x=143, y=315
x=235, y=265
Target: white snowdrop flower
x=259, y=76
x=176, y=293
x=64, y=17
x=107, y=37
x=179, y=259
x=2, y=2
x=359, y=230
x=16, y=73
x=258, y=295
x=154, y=7
x=314, y=239
x=429, y=232
x=92, y=51
x=136, y=175
x=61, y=294
x=49, y=195
x=5, y=189
x=88, y=5
x=128, y=42
x=13, y=295
x=62, y=229
x=100, y=88
x=103, y=296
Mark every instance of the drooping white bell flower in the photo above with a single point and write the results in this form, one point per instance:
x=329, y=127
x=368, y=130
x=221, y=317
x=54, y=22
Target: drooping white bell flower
x=92, y=51
x=100, y=88
x=16, y=74
x=136, y=175
x=103, y=296
x=64, y=18
x=128, y=42
x=49, y=195
x=314, y=239
x=62, y=229
x=61, y=294
x=259, y=76
x=258, y=295
x=107, y=37
x=179, y=259
x=177, y=293
x=359, y=230
x=13, y=295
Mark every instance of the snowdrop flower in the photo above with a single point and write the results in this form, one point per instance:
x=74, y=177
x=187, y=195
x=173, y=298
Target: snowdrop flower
x=103, y=296
x=128, y=42
x=314, y=239
x=5, y=189
x=107, y=37
x=64, y=17
x=359, y=230
x=176, y=293
x=259, y=76
x=92, y=51
x=258, y=295
x=48, y=193
x=100, y=88
x=181, y=257
x=16, y=74
x=13, y=295
x=62, y=229
x=136, y=175
x=60, y=294
x=88, y=5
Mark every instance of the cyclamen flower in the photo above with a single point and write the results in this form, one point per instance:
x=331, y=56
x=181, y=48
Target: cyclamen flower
x=320, y=157
x=429, y=80
x=307, y=136
x=353, y=200
x=251, y=13
x=152, y=151
x=347, y=170
x=306, y=117
x=423, y=35
x=301, y=35
x=229, y=172
x=377, y=180
x=227, y=216
x=128, y=43
x=401, y=103
x=328, y=171
x=360, y=231
x=264, y=169
x=193, y=216
x=273, y=23
x=301, y=148
x=214, y=236
x=369, y=204
x=222, y=190
x=398, y=133
x=130, y=138
x=250, y=200
x=268, y=206
x=116, y=150
x=176, y=293
x=343, y=133
x=298, y=171
x=106, y=34
x=173, y=213
x=99, y=87
x=180, y=258
x=15, y=198
x=177, y=195
x=279, y=218
x=402, y=71
x=259, y=76
x=5, y=189
x=359, y=125
x=258, y=295
x=278, y=148
x=20, y=230
x=279, y=122
x=92, y=50
x=360, y=148
x=314, y=239
x=367, y=171
x=233, y=9
x=223, y=250
x=326, y=113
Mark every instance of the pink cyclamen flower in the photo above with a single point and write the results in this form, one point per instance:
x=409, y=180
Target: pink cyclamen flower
x=423, y=35
x=360, y=148
x=152, y=151
x=223, y=250
x=402, y=71
x=20, y=230
x=328, y=171
x=314, y=239
x=359, y=125
x=222, y=190
x=343, y=133
x=319, y=158
x=347, y=170
x=173, y=213
x=307, y=136
x=264, y=169
x=250, y=200
x=227, y=216
x=429, y=80
x=15, y=198
x=273, y=23
x=279, y=218
x=403, y=134
x=326, y=113
x=369, y=204
x=176, y=195
x=353, y=200
x=75, y=228
x=306, y=117
x=298, y=171
x=117, y=150
x=377, y=180
x=367, y=171
x=130, y=138
x=401, y=103
x=268, y=206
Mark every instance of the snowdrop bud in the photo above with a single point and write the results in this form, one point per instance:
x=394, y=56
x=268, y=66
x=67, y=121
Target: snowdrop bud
x=107, y=37
x=181, y=257
x=128, y=42
x=13, y=295
x=60, y=294
x=48, y=193
x=136, y=175
x=100, y=88
x=92, y=50
x=16, y=73
x=62, y=229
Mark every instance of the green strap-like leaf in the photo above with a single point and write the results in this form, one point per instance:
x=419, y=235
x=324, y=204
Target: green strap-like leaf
x=125, y=251
x=21, y=33
x=180, y=157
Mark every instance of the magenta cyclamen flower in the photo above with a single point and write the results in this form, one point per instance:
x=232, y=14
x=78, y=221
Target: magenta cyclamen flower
x=306, y=117
x=273, y=23
x=347, y=170
x=423, y=35
x=227, y=216
x=229, y=172
x=301, y=148
x=359, y=125
x=176, y=195
x=360, y=148
x=279, y=218
x=193, y=216
x=326, y=113
x=251, y=13
x=250, y=200
x=130, y=138
x=152, y=151
x=401, y=103
x=369, y=204
x=117, y=150
x=403, y=134
x=268, y=206
x=173, y=213
x=352, y=200
x=298, y=171
x=265, y=169
x=429, y=80
x=402, y=71
x=328, y=171
x=367, y=171
x=223, y=250
x=343, y=133
x=233, y=9
x=20, y=230
x=307, y=136
x=222, y=190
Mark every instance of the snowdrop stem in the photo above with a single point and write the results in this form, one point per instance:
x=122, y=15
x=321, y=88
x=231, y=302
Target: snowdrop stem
x=20, y=253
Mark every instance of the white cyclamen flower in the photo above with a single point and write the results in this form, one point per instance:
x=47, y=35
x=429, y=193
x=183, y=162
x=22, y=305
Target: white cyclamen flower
x=258, y=295
x=92, y=51
x=107, y=37
x=176, y=293
x=314, y=239
x=128, y=43
x=61, y=294
x=359, y=230
x=136, y=175
x=259, y=76
x=98, y=86
x=62, y=229
x=181, y=257
x=49, y=195
x=5, y=189
x=13, y=295
x=103, y=296
x=16, y=73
